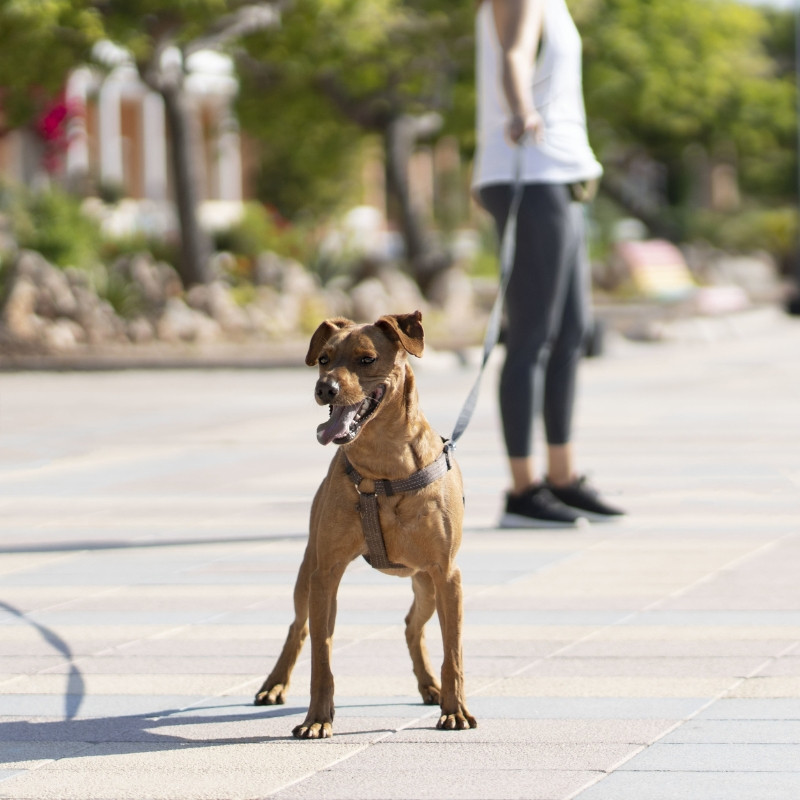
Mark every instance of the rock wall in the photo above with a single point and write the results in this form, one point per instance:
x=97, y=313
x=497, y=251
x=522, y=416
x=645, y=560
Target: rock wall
x=47, y=310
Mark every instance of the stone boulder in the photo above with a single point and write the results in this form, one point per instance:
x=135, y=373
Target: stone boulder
x=390, y=292
x=214, y=300
x=156, y=281
x=179, y=323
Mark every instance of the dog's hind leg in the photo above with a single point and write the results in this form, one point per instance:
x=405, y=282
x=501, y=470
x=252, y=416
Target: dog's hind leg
x=273, y=690
x=421, y=611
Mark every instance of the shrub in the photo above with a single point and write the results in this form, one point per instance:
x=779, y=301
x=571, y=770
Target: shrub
x=122, y=295
x=52, y=223
x=774, y=230
x=260, y=230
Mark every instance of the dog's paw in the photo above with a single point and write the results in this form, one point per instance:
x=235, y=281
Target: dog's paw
x=431, y=695
x=271, y=695
x=460, y=720
x=313, y=730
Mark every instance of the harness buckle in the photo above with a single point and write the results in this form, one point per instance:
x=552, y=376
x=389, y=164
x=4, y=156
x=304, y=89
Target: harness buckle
x=448, y=449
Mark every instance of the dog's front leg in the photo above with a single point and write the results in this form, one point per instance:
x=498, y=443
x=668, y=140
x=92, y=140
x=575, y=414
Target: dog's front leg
x=318, y=723
x=455, y=715
x=273, y=690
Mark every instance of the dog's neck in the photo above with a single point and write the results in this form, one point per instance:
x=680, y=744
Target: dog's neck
x=399, y=441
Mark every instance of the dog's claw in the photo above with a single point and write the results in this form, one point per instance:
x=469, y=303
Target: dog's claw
x=273, y=696
x=431, y=695
x=460, y=721
x=316, y=730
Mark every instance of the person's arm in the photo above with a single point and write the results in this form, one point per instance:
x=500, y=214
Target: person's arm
x=519, y=28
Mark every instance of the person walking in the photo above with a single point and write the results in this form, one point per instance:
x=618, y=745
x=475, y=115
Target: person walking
x=530, y=96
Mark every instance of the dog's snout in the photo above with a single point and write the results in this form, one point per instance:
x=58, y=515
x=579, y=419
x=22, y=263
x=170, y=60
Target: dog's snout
x=327, y=389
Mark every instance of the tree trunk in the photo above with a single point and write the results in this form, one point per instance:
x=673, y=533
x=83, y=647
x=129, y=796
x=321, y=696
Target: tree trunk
x=195, y=243
x=425, y=258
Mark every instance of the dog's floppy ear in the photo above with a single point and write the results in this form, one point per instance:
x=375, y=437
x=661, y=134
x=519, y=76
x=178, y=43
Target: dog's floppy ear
x=406, y=329
x=322, y=334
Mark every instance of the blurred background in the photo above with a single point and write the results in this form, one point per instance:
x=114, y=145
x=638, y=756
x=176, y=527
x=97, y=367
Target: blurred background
x=222, y=173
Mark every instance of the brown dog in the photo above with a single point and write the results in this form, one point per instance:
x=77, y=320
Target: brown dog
x=391, y=473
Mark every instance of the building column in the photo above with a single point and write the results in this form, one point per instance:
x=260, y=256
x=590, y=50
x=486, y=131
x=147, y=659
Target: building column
x=110, y=133
x=229, y=157
x=154, y=139
x=77, y=158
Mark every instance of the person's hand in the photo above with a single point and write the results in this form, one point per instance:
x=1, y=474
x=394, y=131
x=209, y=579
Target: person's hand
x=530, y=123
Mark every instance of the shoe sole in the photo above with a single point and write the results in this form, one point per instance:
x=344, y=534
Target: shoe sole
x=594, y=516
x=519, y=521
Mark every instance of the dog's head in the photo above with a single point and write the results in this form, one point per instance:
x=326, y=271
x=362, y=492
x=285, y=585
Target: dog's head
x=357, y=366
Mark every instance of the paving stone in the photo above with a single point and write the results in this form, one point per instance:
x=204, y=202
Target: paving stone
x=677, y=785
x=513, y=708
x=150, y=547
x=727, y=757
x=705, y=731
x=665, y=666
x=29, y=754
x=552, y=731
x=782, y=709
x=474, y=784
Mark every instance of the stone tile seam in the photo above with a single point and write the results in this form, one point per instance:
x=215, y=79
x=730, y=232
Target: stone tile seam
x=629, y=615
x=44, y=763
x=388, y=734
x=595, y=545
x=684, y=589
x=55, y=558
x=242, y=685
x=589, y=635
x=348, y=756
x=767, y=662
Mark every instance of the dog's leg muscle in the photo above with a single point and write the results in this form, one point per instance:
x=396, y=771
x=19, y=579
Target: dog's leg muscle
x=318, y=723
x=455, y=715
x=273, y=690
x=421, y=611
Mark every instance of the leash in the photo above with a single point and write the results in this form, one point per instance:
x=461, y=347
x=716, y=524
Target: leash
x=508, y=248
x=368, y=501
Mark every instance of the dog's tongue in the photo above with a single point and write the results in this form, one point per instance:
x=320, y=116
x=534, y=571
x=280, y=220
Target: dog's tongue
x=339, y=423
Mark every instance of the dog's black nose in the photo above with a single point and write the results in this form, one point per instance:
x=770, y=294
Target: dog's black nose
x=327, y=389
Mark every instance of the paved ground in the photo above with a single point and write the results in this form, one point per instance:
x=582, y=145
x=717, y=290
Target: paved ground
x=152, y=524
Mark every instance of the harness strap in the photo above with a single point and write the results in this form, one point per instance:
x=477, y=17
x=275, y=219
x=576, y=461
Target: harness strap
x=368, y=503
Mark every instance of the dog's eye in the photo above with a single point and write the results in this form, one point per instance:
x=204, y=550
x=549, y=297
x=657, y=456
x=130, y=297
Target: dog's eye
x=323, y=360
x=368, y=360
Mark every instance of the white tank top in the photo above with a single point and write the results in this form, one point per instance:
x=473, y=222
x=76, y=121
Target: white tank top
x=565, y=155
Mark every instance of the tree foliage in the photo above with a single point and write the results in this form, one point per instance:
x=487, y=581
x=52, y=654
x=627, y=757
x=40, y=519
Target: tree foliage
x=663, y=74
x=384, y=68
x=40, y=42
x=659, y=75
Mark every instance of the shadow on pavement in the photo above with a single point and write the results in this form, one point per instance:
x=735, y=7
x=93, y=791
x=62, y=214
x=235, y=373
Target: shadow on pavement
x=69, y=547
x=145, y=730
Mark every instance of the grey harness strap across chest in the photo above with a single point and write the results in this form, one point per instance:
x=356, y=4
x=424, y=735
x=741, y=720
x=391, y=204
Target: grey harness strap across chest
x=368, y=503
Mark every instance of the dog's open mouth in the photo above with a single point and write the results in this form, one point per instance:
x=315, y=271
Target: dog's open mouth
x=345, y=422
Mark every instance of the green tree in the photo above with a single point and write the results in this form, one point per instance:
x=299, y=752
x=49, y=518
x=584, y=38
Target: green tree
x=152, y=29
x=308, y=152
x=41, y=41
x=663, y=74
x=386, y=68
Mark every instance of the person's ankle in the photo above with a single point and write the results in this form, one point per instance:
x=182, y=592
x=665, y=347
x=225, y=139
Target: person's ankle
x=561, y=481
x=518, y=491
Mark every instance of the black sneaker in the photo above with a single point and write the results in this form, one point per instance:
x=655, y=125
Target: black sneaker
x=584, y=500
x=537, y=508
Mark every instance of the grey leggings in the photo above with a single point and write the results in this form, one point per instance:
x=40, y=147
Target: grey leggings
x=547, y=309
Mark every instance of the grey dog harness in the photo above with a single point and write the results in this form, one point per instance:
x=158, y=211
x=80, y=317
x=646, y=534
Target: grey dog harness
x=368, y=503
